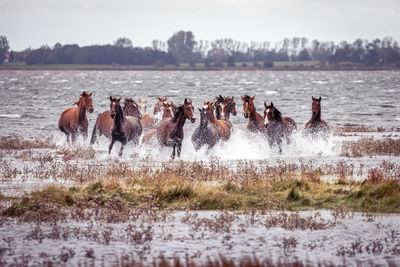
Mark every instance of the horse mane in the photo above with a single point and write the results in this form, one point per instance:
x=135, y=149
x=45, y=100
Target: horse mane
x=178, y=111
x=246, y=98
x=277, y=113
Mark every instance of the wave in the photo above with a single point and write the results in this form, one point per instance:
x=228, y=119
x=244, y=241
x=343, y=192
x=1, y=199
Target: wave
x=10, y=116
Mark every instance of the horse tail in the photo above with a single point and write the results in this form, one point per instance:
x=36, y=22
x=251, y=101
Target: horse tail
x=94, y=132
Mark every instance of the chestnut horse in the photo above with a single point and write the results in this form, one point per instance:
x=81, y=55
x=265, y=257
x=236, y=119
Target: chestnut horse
x=206, y=133
x=224, y=107
x=73, y=120
x=277, y=126
x=149, y=121
x=104, y=123
x=224, y=128
x=168, y=112
x=256, y=121
x=125, y=128
x=170, y=130
x=316, y=128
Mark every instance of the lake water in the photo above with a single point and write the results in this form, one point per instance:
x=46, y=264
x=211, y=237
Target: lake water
x=34, y=100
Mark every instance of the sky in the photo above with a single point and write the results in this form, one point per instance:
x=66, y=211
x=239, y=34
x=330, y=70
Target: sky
x=32, y=23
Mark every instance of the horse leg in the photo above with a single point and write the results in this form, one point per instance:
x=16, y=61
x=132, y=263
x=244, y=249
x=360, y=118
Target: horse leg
x=173, y=151
x=73, y=137
x=123, y=143
x=111, y=145
x=179, y=148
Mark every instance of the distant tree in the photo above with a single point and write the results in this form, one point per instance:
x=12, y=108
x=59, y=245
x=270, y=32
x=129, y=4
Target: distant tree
x=303, y=55
x=123, y=42
x=207, y=62
x=192, y=63
x=230, y=62
x=268, y=64
x=181, y=46
x=160, y=63
x=4, y=46
x=11, y=58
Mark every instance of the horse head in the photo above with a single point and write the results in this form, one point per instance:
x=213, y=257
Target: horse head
x=169, y=110
x=204, y=115
x=158, y=106
x=188, y=110
x=219, y=106
x=142, y=105
x=248, y=105
x=270, y=113
x=85, y=102
x=131, y=108
x=114, y=106
x=316, y=107
x=230, y=105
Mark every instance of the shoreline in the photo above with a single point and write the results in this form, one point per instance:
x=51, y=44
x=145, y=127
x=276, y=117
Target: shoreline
x=73, y=67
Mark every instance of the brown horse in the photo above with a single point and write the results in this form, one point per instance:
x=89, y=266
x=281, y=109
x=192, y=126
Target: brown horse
x=168, y=112
x=224, y=128
x=224, y=107
x=256, y=121
x=73, y=120
x=125, y=128
x=104, y=122
x=149, y=121
x=277, y=126
x=170, y=130
x=316, y=128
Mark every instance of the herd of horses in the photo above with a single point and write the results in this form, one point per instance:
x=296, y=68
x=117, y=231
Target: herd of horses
x=128, y=123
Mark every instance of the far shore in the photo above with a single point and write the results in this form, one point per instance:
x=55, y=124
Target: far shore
x=281, y=66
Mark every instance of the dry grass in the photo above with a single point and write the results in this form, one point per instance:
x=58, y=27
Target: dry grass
x=17, y=142
x=369, y=146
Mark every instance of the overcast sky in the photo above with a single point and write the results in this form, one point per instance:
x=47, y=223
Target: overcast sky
x=31, y=23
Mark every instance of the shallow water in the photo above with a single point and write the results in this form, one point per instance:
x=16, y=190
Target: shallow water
x=208, y=234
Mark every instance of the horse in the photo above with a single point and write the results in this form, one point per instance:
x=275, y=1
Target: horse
x=125, y=128
x=224, y=128
x=142, y=105
x=206, y=133
x=73, y=120
x=256, y=121
x=104, y=122
x=170, y=131
x=149, y=121
x=277, y=126
x=168, y=112
x=315, y=127
x=224, y=107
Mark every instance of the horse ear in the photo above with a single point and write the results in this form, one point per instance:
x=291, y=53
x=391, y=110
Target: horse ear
x=242, y=98
x=160, y=99
x=91, y=94
x=233, y=98
x=186, y=101
x=165, y=99
x=119, y=99
x=319, y=99
x=265, y=104
x=253, y=97
x=313, y=98
x=272, y=105
x=111, y=99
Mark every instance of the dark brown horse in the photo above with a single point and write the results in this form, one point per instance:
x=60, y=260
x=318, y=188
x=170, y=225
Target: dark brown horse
x=170, y=130
x=256, y=121
x=125, y=128
x=149, y=121
x=224, y=128
x=206, y=134
x=316, y=128
x=104, y=122
x=277, y=126
x=73, y=120
x=168, y=112
x=224, y=106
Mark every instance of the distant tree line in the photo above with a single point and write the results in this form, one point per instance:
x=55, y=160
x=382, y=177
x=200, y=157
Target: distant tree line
x=183, y=48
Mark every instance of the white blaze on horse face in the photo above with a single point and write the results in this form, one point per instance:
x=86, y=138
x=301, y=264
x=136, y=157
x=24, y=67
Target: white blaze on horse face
x=266, y=117
x=223, y=105
x=194, y=116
